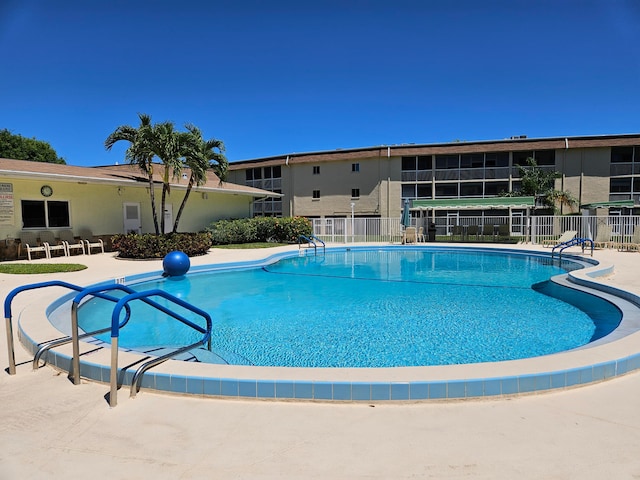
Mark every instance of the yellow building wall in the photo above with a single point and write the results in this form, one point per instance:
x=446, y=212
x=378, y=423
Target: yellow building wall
x=99, y=208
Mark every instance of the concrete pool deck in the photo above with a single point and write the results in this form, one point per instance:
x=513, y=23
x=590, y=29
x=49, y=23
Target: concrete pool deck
x=52, y=429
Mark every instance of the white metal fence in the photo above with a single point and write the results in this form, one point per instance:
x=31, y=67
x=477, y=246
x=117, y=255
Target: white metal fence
x=533, y=229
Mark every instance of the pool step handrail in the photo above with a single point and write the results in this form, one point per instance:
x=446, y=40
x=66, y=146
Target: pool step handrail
x=115, y=332
x=33, y=286
x=571, y=243
x=311, y=241
x=46, y=346
x=75, y=334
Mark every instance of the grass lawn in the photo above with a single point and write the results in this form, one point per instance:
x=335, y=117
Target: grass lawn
x=28, y=268
x=244, y=246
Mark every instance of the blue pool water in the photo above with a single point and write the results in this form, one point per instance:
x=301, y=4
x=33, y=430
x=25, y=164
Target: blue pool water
x=375, y=308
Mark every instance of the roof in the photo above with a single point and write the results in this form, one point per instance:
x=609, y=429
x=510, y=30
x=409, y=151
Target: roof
x=505, y=145
x=473, y=203
x=124, y=175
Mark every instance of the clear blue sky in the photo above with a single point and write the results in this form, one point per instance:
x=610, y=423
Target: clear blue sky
x=278, y=77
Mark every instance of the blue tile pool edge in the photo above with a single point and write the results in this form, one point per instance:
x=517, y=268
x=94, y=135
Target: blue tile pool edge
x=413, y=390
x=340, y=391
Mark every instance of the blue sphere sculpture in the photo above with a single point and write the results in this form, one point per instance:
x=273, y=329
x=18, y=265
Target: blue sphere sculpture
x=175, y=264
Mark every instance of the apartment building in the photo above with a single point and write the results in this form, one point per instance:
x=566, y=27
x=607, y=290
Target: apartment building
x=448, y=179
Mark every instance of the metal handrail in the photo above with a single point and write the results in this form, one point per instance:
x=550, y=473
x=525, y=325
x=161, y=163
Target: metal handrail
x=74, y=320
x=8, y=316
x=311, y=241
x=313, y=237
x=115, y=332
x=570, y=243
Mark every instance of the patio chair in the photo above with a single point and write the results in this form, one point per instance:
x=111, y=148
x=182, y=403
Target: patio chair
x=633, y=243
x=48, y=238
x=70, y=241
x=91, y=241
x=603, y=236
x=565, y=237
x=420, y=237
x=29, y=241
x=456, y=232
x=487, y=230
x=410, y=235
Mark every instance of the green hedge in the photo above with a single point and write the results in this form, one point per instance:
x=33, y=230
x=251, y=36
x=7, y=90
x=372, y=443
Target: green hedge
x=259, y=229
x=149, y=245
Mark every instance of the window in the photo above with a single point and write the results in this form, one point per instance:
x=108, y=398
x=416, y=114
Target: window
x=472, y=160
x=408, y=190
x=520, y=158
x=277, y=171
x=424, y=162
x=545, y=157
x=45, y=214
x=267, y=172
x=470, y=189
x=424, y=190
x=355, y=167
x=495, y=188
x=445, y=162
x=408, y=163
x=316, y=170
x=497, y=159
x=621, y=154
x=446, y=190
x=355, y=193
x=620, y=185
x=316, y=194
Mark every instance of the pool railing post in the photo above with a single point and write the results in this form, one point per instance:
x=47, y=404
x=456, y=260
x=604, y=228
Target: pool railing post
x=75, y=360
x=10, y=347
x=113, y=393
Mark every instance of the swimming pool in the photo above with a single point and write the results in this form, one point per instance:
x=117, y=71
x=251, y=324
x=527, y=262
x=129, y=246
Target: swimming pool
x=376, y=308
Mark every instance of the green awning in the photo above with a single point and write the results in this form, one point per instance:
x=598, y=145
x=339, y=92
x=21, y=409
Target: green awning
x=474, y=203
x=615, y=203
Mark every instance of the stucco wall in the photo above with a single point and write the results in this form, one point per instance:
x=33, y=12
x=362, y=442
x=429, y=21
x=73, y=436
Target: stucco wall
x=99, y=207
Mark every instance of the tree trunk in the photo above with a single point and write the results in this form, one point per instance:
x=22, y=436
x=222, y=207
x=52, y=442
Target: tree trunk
x=184, y=202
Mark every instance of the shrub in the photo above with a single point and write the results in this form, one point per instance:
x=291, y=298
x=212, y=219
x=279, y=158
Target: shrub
x=148, y=245
x=259, y=229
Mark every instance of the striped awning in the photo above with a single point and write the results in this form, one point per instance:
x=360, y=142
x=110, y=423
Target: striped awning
x=474, y=203
x=614, y=204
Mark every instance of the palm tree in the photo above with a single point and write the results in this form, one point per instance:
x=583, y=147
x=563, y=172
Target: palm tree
x=165, y=143
x=539, y=183
x=139, y=153
x=199, y=156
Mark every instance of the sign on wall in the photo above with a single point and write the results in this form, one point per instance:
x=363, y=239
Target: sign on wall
x=6, y=204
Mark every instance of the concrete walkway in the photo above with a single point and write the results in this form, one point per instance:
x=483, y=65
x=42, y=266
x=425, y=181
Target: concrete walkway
x=52, y=429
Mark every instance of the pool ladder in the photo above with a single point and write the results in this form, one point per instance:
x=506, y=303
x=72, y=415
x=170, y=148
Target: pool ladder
x=116, y=325
x=571, y=243
x=312, y=242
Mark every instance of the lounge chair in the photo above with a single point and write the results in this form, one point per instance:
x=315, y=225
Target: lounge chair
x=565, y=237
x=409, y=235
x=53, y=245
x=633, y=243
x=91, y=241
x=603, y=236
x=420, y=236
x=29, y=242
x=66, y=236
